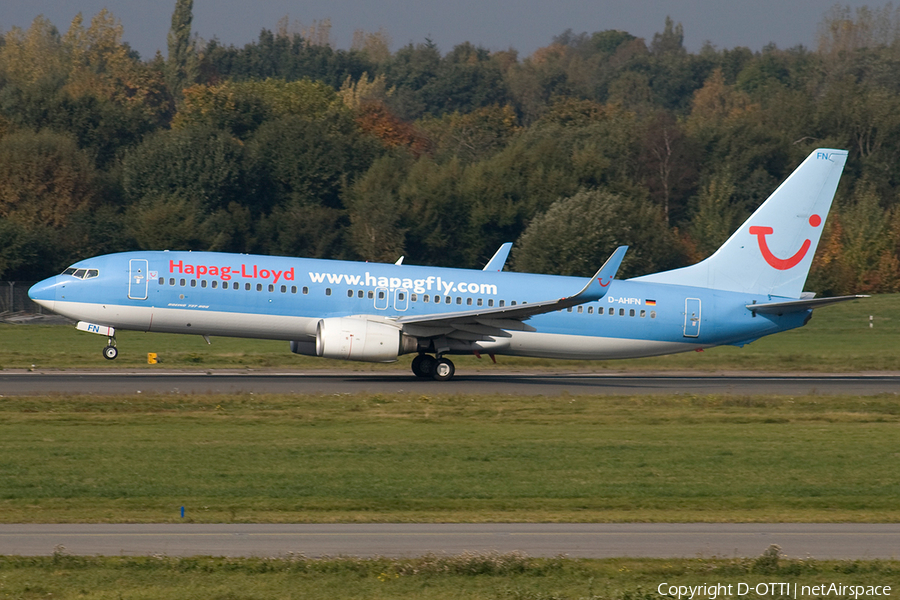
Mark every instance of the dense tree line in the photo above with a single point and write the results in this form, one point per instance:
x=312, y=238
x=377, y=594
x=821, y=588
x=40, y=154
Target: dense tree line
x=290, y=146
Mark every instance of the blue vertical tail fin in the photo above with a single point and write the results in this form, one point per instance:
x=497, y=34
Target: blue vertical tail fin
x=771, y=253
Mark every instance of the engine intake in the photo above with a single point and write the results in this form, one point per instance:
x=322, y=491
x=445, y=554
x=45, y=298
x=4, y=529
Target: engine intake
x=350, y=338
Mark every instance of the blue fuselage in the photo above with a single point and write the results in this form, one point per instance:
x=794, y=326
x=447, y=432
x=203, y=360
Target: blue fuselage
x=209, y=293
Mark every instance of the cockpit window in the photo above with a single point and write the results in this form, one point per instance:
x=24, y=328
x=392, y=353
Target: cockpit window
x=82, y=273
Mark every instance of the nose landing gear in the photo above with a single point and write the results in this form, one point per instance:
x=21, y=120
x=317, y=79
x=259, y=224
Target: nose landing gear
x=425, y=366
x=110, y=352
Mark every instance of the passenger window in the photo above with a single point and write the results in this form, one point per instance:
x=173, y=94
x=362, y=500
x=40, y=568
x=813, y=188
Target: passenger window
x=181, y=282
x=271, y=288
x=652, y=314
x=381, y=296
x=305, y=290
x=284, y=290
x=468, y=302
x=424, y=298
x=215, y=284
x=490, y=302
x=480, y=302
x=236, y=286
x=193, y=283
x=293, y=289
x=413, y=297
x=631, y=312
x=203, y=283
x=371, y=294
x=569, y=309
x=162, y=280
x=171, y=281
x=247, y=287
x=621, y=312
x=349, y=293
x=360, y=294
x=502, y=302
x=513, y=303
x=643, y=313
x=258, y=287
x=580, y=309
x=458, y=300
x=401, y=296
x=448, y=300
x=590, y=310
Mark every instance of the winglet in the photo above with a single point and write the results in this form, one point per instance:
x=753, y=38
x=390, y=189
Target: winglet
x=499, y=259
x=597, y=287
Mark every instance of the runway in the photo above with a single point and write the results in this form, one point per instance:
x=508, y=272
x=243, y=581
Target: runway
x=514, y=383
x=577, y=540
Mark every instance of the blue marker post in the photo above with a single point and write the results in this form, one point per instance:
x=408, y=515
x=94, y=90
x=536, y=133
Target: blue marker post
x=182, y=512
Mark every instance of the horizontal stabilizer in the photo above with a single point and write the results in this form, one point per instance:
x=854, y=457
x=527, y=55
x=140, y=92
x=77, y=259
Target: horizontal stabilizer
x=782, y=308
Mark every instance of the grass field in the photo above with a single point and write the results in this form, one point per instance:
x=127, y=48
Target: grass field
x=837, y=339
x=271, y=458
x=494, y=577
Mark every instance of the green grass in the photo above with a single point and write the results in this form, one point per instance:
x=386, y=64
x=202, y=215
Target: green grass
x=837, y=339
x=492, y=576
x=273, y=458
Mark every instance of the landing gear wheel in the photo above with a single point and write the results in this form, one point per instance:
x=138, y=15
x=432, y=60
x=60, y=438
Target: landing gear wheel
x=423, y=365
x=443, y=370
x=110, y=352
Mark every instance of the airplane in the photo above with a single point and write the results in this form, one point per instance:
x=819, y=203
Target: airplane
x=749, y=288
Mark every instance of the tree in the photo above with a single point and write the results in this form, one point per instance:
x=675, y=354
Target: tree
x=201, y=165
x=182, y=66
x=377, y=210
x=308, y=162
x=715, y=217
x=44, y=177
x=578, y=233
x=241, y=107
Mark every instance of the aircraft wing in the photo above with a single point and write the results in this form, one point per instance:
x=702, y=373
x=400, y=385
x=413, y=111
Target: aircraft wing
x=781, y=308
x=499, y=259
x=492, y=321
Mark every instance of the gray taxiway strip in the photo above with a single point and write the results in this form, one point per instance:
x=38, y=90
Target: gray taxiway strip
x=524, y=384
x=823, y=541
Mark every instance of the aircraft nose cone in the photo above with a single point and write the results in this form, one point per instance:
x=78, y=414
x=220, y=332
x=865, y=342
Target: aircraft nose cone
x=44, y=293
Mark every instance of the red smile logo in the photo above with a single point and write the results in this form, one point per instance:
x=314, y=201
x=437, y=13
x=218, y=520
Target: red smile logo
x=600, y=281
x=782, y=264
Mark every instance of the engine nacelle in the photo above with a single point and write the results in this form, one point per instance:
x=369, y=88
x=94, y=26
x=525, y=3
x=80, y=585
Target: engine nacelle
x=350, y=338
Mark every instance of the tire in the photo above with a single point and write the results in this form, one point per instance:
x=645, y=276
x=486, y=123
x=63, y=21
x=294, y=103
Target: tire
x=423, y=365
x=443, y=370
x=110, y=352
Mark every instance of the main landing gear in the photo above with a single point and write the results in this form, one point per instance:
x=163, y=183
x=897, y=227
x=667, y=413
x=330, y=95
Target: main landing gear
x=110, y=352
x=429, y=367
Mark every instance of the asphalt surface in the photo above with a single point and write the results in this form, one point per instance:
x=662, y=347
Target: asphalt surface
x=521, y=384
x=828, y=541
x=845, y=541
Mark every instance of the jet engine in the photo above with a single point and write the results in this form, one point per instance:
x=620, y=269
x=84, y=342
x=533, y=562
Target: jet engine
x=350, y=338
